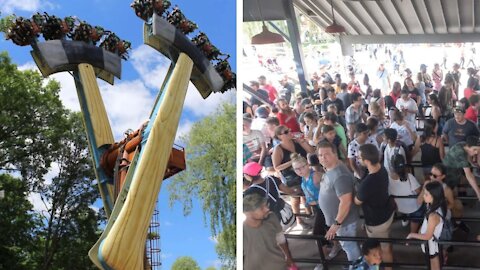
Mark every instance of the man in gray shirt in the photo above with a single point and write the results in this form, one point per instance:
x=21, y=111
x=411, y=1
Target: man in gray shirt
x=264, y=244
x=336, y=199
x=457, y=129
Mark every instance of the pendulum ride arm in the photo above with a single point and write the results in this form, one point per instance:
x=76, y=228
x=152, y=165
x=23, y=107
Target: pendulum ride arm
x=87, y=63
x=122, y=245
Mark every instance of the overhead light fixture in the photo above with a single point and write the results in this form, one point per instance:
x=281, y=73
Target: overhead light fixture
x=266, y=36
x=334, y=28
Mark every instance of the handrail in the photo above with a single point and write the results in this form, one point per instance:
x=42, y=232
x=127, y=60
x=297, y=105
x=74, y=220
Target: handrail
x=326, y=263
x=399, y=241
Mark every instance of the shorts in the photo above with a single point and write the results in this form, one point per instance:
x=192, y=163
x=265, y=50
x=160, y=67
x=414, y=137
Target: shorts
x=419, y=214
x=453, y=177
x=380, y=231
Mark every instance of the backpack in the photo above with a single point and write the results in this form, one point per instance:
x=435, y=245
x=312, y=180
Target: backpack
x=396, y=151
x=282, y=209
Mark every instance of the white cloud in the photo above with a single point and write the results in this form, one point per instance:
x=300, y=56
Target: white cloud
x=94, y=208
x=168, y=223
x=202, y=107
x=152, y=68
x=183, y=129
x=166, y=255
x=68, y=91
x=128, y=105
x=150, y=65
x=52, y=172
x=38, y=204
x=215, y=263
x=12, y=6
x=214, y=239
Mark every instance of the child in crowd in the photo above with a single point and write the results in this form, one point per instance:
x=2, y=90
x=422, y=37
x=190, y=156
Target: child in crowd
x=433, y=222
x=329, y=134
x=362, y=137
x=391, y=146
x=371, y=258
x=402, y=183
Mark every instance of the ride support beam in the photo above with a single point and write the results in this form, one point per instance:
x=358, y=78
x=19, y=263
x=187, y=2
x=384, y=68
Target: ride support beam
x=124, y=246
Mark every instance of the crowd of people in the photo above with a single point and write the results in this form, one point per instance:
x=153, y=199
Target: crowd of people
x=344, y=148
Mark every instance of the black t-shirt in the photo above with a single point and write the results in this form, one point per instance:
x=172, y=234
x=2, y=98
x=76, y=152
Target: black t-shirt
x=338, y=103
x=373, y=192
x=262, y=94
x=413, y=94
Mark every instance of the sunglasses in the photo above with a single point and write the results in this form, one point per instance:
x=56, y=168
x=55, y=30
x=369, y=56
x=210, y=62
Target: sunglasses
x=309, y=107
x=285, y=132
x=434, y=175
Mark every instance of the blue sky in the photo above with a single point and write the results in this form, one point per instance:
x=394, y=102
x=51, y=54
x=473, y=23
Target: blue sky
x=142, y=74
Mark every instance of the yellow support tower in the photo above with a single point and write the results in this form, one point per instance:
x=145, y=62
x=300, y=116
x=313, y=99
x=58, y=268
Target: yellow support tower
x=122, y=248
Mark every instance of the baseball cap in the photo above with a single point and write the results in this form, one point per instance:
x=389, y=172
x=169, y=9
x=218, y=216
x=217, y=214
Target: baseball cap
x=252, y=169
x=262, y=77
x=459, y=108
x=423, y=66
x=407, y=70
x=252, y=202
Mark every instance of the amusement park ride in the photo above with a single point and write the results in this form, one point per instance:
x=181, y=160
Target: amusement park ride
x=129, y=172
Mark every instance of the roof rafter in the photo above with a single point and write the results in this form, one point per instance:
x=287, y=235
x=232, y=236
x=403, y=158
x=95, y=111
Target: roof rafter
x=417, y=15
x=429, y=17
x=374, y=19
x=473, y=15
x=358, y=17
x=443, y=15
x=318, y=11
x=459, y=17
x=395, y=7
x=318, y=18
x=338, y=13
x=386, y=17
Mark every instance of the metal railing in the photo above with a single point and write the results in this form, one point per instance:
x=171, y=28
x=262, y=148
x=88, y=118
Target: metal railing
x=396, y=241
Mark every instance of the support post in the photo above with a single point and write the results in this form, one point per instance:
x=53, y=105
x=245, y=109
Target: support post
x=98, y=128
x=296, y=43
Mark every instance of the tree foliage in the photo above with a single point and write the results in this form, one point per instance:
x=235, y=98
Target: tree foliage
x=71, y=225
x=17, y=225
x=210, y=175
x=35, y=131
x=185, y=263
x=32, y=121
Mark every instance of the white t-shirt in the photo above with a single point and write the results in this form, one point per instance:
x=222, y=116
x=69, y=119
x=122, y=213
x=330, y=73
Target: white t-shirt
x=388, y=154
x=260, y=124
x=354, y=146
x=305, y=131
x=403, y=134
x=399, y=188
x=409, y=105
x=254, y=141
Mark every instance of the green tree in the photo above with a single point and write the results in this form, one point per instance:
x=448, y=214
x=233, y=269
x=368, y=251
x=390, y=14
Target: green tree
x=71, y=225
x=210, y=176
x=31, y=121
x=211, y=268
x=185, y=263
x=17, y=225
